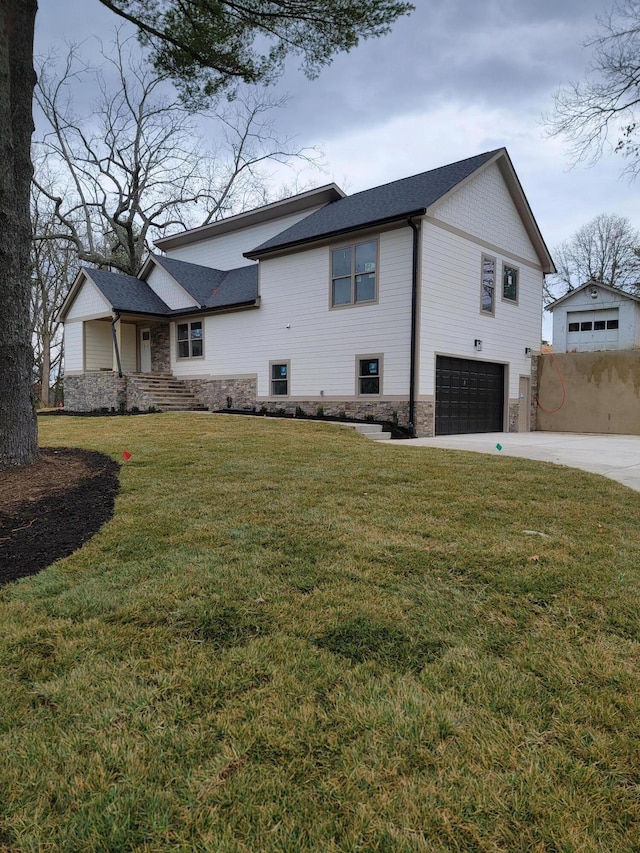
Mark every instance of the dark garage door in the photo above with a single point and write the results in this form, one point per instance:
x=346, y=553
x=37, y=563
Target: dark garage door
x=469, y=396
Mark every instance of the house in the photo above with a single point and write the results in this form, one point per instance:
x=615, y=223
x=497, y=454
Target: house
x=595, y=317
x=419, y=301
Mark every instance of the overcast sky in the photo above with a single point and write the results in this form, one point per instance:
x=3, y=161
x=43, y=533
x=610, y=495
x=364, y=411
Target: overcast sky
x=452, y=80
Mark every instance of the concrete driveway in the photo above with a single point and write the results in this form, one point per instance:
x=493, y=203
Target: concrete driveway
x=614, y=456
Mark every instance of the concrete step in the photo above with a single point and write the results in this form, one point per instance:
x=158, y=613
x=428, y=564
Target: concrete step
x=371, y=431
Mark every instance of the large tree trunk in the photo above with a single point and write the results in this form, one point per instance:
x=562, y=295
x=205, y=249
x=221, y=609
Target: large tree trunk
x=18, y=427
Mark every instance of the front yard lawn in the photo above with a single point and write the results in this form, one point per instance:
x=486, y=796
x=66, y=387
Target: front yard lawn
x=290, y=638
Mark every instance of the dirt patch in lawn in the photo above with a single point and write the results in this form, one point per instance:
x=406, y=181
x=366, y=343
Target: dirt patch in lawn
x=49, y=509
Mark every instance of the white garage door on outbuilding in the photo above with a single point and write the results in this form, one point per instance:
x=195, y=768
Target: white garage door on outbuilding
x=596, y=317
x=588, y=331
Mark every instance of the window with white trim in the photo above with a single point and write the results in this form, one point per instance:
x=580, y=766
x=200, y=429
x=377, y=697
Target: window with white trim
x=190, y=341
x=353, y=274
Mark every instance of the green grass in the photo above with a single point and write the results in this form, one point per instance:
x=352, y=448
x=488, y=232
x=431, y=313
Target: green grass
x=290, y=638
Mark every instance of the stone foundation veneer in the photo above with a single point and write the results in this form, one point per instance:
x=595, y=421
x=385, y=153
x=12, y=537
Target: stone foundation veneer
x=88, y=392
x=93, y=391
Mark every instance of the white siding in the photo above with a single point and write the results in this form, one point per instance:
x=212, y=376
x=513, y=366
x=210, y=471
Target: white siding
x=89, y=303
x=321, y=344
x=628, y=319
x=98, y=345
x=169, y=290
x=484, y=208
x=128, y=342
x=225, y=252
x=73, y=352
x=450, y=317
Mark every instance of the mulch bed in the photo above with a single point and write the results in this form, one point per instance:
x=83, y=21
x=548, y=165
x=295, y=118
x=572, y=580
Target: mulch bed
x=49, y=509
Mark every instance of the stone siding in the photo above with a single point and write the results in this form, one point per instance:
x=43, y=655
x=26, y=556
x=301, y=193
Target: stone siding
x=216, y=393
x=92, y=391
x=425, y=418
x=514, y=411
x=160, y=348
x=377, y=410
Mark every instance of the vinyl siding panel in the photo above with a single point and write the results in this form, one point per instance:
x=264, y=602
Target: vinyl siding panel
x=128, y=342
x=73, y=347
x=168, y=290
x=484, y=208
x=225, y=252
x=88, y=303
x=450, y=317
x=98, y=345
x=320, y=343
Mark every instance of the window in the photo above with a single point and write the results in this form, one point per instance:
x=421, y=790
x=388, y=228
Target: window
x=280, y=379
x=586, y=326
x=612, y=324
x=190, y=340
x=353, y=274
x=599, y=325
x=487, y=298
x=509, y=283
x=369, y=373
x=574, y=327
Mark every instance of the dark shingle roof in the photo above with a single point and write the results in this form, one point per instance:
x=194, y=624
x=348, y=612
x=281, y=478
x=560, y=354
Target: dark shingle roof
x=386, y=203
x=126, y=293
x=213, y=288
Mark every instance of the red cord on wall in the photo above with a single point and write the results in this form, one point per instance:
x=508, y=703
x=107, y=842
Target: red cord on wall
x=564, y=391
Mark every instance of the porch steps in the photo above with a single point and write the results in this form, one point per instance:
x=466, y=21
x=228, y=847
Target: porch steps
x=372, y=431
x=165, y=393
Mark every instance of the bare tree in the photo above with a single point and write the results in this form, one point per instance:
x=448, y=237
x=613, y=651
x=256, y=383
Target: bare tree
x=53, y=264
x=607, y=249
x=603, y=108
x=136, y=166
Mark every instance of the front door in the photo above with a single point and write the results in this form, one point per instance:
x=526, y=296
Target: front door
x=145, y=350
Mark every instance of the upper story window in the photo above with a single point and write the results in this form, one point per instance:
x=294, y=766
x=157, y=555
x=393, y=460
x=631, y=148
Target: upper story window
x=488, y=291
x=190, y=340
x=510, y=283
x=353, y=274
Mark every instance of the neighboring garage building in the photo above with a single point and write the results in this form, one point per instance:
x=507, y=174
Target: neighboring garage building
x=595, y=317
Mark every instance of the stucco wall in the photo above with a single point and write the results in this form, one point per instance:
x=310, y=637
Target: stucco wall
x=590, y=392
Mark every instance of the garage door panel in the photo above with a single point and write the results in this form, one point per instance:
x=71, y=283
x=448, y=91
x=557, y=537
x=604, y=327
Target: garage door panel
x=469, y=396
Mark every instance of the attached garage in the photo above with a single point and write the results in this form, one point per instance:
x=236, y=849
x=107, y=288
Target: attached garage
x=469, y=396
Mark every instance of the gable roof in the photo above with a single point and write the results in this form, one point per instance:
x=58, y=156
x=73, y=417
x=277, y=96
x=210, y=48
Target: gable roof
x=127, y=293
x=592, y=283
x=399, y=200
x=213, y=288
x=267, y=212
x=387, y=203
